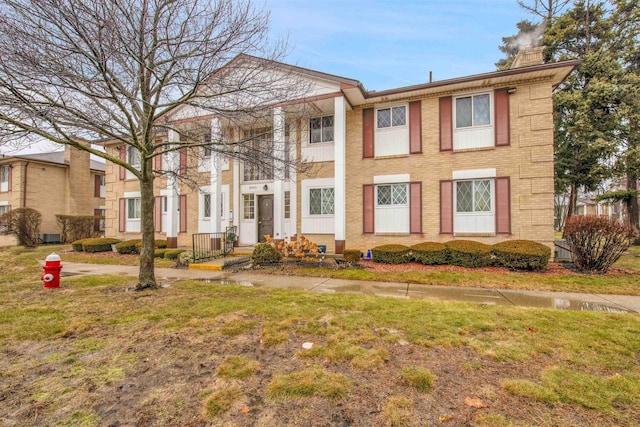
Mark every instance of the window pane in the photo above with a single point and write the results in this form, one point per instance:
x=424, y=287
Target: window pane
x=4, y=174
x=328, y=195
x=287, y=204
x=482, y=196
x=384, y=195
x=384, y=118
x=464, y=196
x=463, y=112
x=206, y=201
x=481, y=111
x=399, y=194
x=399, y=116
x=315, y=201
x=315, y=125
x=134, y=157
x=248, y=207
x=133, y=208
x=327, y=129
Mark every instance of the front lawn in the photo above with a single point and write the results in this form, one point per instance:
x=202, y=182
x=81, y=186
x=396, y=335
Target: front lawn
x=94, y=353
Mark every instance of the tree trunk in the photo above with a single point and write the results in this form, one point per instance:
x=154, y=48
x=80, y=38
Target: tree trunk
x=146, y=276
x=632, y=205
x=573, y=201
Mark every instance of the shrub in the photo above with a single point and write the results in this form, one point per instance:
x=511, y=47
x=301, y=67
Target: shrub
x=98, y=244
x=159, y=243
x=298, y=246
x=24, y=224
x=129, y=246
x=522, y=254
x=351, y=255
x=468, y=253
x=77, y=245
x=159, y=253
x=264, y=253
x=173, y=253
x=391, y=254
x=430, y=253
x=75, y=227
x=596, y=242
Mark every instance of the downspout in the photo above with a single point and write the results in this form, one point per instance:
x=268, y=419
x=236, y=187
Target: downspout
x=24, y=186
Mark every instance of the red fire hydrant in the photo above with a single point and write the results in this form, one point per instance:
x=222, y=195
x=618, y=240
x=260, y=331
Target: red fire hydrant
x=51, y=275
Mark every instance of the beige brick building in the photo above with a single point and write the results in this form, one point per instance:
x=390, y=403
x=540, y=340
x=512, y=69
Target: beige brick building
x=466, y=158
x=59, y=183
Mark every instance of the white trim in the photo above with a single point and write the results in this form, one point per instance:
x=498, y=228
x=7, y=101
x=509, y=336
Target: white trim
x=132, y=194
x=4, y=203
x=316, y=224
x=474, y=174
x=339, y=168
x=392, y=179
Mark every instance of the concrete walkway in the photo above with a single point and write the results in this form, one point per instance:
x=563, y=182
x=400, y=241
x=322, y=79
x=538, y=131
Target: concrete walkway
x=558, y=300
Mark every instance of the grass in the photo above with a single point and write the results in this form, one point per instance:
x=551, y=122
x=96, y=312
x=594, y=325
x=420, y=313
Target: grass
x=397, y=412
x=221, y=401
x=237, y=367
x=418, y=377
x=313, y=382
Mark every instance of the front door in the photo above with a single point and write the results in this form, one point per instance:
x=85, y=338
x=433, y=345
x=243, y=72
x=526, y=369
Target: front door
x=265, y=216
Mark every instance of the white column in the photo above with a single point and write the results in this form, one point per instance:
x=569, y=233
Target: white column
x=216, y=177
x=173, y=200
x=279, y=164
x=339, y=139
x=236, y=188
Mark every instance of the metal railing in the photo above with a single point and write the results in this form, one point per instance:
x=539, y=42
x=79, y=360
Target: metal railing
x=207, y=246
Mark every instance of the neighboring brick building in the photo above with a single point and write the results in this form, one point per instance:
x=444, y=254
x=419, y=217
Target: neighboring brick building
x=58, y=183
x=470, y=158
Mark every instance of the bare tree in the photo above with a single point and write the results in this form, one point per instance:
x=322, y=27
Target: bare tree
x=115, y=70
x=545, y=9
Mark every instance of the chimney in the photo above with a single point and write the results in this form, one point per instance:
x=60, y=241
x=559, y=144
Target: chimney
x=529, y=56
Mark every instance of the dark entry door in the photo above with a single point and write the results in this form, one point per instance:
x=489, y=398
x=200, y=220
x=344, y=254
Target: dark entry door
x=265, y=216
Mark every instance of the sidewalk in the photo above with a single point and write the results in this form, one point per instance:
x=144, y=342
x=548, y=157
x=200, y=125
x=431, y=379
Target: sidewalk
x=558, y=300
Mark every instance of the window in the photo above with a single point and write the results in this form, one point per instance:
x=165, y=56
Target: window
x=206, y=150
x=133, y=208
x=287, y=205
x=321, y=129
x=258, y=153
x=99, y=223
x=4, y=209
x=206, y=205
x=473, y=111
x=321, y=201
x=248, y=206
x=473, y=196
x=4, y=178
x=392, y=195
x=391, y=117
x=133, y=157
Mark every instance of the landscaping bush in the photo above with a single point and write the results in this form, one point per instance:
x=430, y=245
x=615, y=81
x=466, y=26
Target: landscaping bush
x=173, y=253
x=596, y=242
x=24, y=224
x=430, y=253
x=521, y=254
x=98, y=244
x=75, y=227
x=351, y=255
x=129, y=246
x=468, y=253
x=159, y=253
x=264, y=253
x=77, y=245
x=391, y=254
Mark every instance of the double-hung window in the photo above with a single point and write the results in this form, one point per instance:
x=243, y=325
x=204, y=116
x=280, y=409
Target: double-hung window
x=391, y=117
x=472, y=111
x=321, y=201
x=321, y=129
x=474, y=206
x=4, y=178
x=392, y=195
x=133, y=157
x=133, y=215
x=392, y=208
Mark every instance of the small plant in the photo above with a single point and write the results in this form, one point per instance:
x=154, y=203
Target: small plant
x=522, y=254
x=419, y=378
x=128, y=246
x=184, y=258
x=24, y=223
x=430, y=253
x=468, y=253
x=100, y=244
x=391, y=254
x=264, y=253
x=173, y=253
x=597, y=242
x=159, y=253
x=351, y=255
x=299, y=247
x=77, y=245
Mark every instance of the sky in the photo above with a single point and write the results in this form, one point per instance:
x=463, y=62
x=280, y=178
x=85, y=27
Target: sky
x=390, y=44
x=386, y=44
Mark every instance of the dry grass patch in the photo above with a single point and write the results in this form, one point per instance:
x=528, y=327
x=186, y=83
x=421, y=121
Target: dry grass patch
x=397, y=412
x=530, y=389
x=237, y=367
x=221, y=401
x=418, y=377
x=315, y=382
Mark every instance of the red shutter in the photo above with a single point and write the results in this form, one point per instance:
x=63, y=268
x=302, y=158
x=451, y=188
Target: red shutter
x=367, y=133
x=122, y=219
x=368, y=209
x=501, y=100
x=446, y=123
x=157, y=213
x=415, y=127
x=415, y=207
x=503, y=205
x=183, y=161
x=10, y=175
x=123, y=157
x=183, y=213
x=96, y=186
x=446, y=207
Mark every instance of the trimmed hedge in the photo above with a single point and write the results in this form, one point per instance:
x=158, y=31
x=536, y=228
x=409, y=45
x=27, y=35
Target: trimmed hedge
x=391, y=254
x=77, y=245
x=159, y=253
x=128, y=246
x=264, y=253
x=430, y=253
x=98, y=244
x=522, y=254
x=468, y=253
x=351, y=255
x=173, y=253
